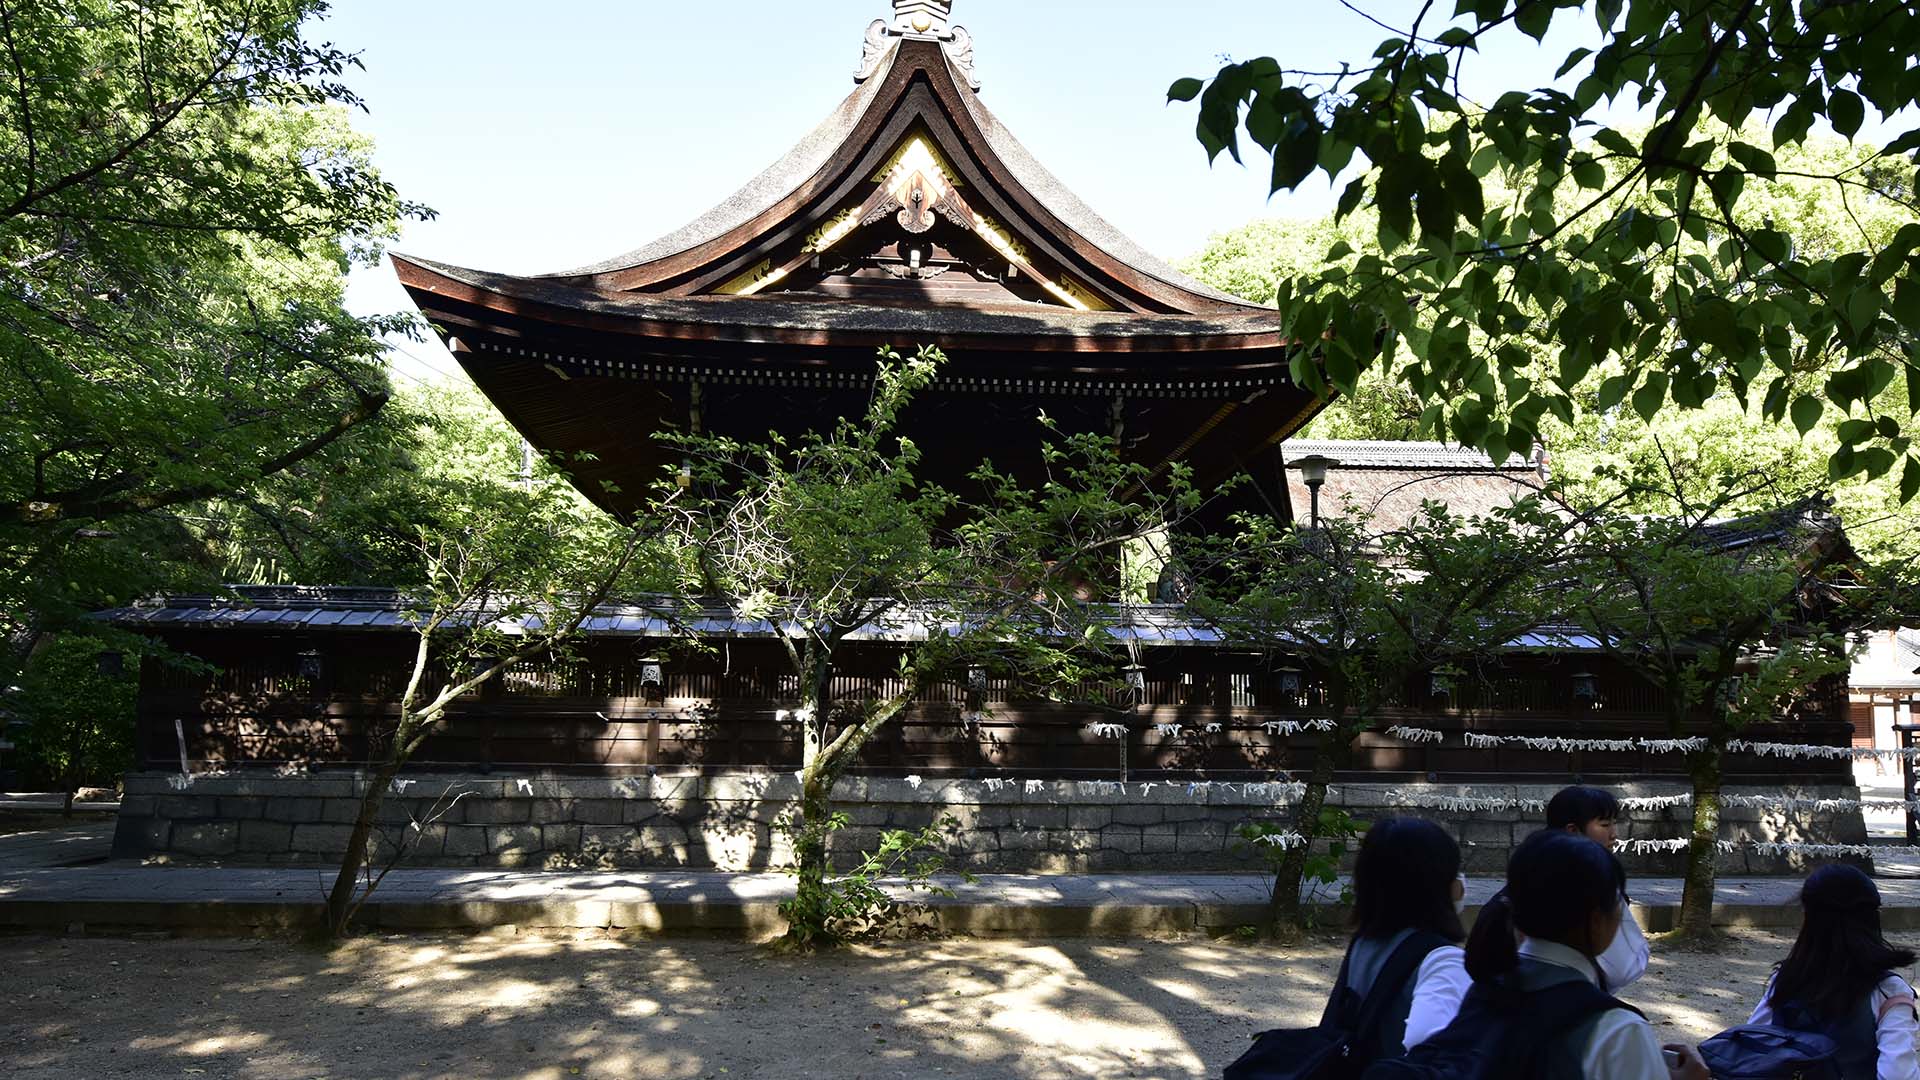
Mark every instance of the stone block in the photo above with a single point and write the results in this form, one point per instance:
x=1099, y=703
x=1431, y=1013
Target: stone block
x=1123, y=838
x=345, y=811
x=1178, y=812
x=205, y=837
x=294, y=809
x=599, y=811
x=1486, y=832
x=1207, y=830
x=1159, y=838
x=321, y=839
x=1089, y=817
x=1040, y=817
x=608, y=838
x=1033, y=840
x=426, y=843
x=1133, y=814
x=564, y=837
x=266, y=837
x=139, y=806
x=465, y=841
x=550, y=811
x=137, y=836
x=497, y=811
x=239, y=807
x=183, y=806
x=640, y=811
x=866, y=815
x=506, y=839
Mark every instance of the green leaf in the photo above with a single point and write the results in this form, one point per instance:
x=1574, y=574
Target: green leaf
x=1589, y=174
x=1651, y=395
x=1611, y=392
x=1573, y=58
x=1184, y=89
x=1845, y=112
x=1806, y=412
x=1753, y=159
x=1906, y=303
x=1340, y=250
x=1533, y=17
x=1910, y=479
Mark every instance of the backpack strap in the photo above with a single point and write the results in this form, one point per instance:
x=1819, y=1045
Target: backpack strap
x=1552, y=1013
x=1394, y=973
x=1334, y=1015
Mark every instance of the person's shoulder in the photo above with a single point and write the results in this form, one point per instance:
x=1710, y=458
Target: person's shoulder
x=1444, y=958
x=1892, y=987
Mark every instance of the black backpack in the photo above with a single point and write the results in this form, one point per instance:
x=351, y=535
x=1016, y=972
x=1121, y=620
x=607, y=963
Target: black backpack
x=1501, y=1032
x=1765, y=1052
x=1338, y=1048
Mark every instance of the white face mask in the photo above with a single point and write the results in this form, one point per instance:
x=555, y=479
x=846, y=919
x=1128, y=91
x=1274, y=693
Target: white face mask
x=1460, y=905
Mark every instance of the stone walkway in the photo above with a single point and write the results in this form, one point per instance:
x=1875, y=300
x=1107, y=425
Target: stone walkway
x=131, y=896
x=59, y=877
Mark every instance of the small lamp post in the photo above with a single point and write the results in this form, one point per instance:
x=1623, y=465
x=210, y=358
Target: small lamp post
x=653, y=679
x=1313, y=470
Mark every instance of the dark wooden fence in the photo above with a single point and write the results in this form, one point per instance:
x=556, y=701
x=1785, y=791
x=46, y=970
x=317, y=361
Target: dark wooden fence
x=1204, y=713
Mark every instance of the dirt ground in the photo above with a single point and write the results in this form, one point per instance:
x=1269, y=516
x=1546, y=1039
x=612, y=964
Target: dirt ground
x=551, y=1008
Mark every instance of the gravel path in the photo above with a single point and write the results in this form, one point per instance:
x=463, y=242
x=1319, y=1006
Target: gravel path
x=538, y=1008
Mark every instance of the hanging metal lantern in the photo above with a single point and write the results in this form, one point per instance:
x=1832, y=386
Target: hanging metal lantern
x=1586, y=689
x=312, y=664
x=1290, y=681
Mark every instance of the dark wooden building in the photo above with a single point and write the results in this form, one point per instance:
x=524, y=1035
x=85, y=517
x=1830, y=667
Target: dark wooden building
x=909, y=217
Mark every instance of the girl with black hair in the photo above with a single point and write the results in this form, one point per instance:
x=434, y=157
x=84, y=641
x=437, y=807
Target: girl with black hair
x=1592, y=812
x=1407, y=892
x=1557, y=914
x=1839, y=981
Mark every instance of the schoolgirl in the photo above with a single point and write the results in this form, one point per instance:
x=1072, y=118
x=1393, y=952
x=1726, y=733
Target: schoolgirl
x=1838, y=980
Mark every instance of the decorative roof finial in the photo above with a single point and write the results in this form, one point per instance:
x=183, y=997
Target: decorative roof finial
x=925, y=20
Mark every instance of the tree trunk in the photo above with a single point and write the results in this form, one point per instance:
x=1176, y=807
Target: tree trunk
x=806, y=919
x=1285, y=907
x=340, y=901
x=66, y=807
x=1696, y=899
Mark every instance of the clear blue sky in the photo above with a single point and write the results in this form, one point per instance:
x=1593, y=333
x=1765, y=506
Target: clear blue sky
x=554, y=134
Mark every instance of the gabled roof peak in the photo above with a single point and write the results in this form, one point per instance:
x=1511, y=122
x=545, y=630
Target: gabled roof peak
x=921, y=20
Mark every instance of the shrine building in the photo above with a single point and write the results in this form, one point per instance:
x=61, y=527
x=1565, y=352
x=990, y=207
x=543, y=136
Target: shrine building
x=910, y=216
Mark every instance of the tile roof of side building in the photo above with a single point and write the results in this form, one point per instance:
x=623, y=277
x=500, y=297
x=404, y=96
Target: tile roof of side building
x=1388, y=481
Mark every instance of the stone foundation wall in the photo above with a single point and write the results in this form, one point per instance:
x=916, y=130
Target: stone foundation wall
x=1052, y=826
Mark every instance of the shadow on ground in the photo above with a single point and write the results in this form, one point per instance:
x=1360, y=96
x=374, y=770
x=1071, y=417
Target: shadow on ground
x=549, y=1008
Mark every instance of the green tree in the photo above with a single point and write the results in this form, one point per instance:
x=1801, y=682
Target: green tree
x=180, y=195
x=1730, y=634
x=831, y=535
x=508, y=562
x=1366, y=612
x=1666, y=268
x=76, y=713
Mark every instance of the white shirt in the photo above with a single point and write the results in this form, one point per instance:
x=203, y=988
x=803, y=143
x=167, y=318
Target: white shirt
x=1437, y=989
x=1625, y=959
x=1622, y=1046
x=1894, y=1031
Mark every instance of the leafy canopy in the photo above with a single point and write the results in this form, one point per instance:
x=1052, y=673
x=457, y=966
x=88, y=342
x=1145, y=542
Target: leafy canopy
x=1666, y=265
x=180, y=196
